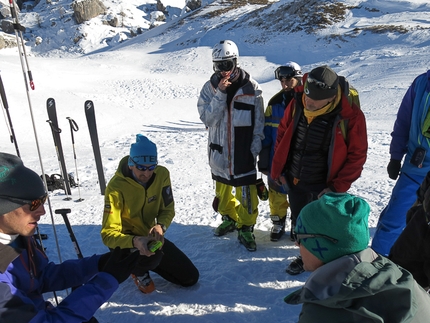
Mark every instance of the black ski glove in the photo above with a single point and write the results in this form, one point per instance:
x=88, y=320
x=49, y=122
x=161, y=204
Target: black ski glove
x=393, y=168
x=117, y=265
x=104, y=259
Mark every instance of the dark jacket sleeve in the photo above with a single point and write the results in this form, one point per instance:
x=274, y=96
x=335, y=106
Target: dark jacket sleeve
x=400, y=134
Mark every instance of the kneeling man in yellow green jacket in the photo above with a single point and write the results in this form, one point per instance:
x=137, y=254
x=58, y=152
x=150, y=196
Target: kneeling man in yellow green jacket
x=139, y=207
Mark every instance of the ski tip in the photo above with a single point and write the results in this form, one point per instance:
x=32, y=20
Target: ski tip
x=88, y=104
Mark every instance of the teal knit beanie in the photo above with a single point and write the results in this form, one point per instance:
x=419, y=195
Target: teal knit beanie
x=143, y=152
x=341, y=216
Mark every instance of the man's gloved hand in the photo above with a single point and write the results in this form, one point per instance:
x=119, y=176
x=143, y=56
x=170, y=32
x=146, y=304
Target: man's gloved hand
x=117, y=265
x=215, y=203
x=393, y=168
x=141, y=243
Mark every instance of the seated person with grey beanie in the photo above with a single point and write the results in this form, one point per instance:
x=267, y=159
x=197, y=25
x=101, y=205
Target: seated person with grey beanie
x=349, y=281
x=139, y=204
x=25, y=271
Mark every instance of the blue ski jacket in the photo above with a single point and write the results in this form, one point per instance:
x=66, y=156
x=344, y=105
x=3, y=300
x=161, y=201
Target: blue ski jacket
x=26, y=273
x=272, y=117
x=407, y=132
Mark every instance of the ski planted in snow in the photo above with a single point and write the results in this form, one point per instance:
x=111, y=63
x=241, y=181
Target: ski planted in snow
x=53, y=122
x=92, y=127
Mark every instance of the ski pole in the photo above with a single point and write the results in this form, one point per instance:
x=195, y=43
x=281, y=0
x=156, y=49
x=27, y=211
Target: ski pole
x=74, y=127
x=64, y=213
x=6, y=107
x=25, y=67
x=18, y=28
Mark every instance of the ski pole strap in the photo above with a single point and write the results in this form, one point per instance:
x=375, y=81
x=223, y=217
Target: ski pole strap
x=246, y=197
x=54, y=128
x=73, y=124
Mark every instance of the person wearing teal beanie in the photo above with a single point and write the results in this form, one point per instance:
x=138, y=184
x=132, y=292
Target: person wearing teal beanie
x=349, y=281
x=345, y=221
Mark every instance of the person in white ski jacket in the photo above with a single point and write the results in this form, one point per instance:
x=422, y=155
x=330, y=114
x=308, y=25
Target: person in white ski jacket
x=231, y=106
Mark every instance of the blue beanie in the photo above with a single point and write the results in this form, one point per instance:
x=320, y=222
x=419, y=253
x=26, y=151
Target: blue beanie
x=143, y=152
x=17, y=182
x=341, y=216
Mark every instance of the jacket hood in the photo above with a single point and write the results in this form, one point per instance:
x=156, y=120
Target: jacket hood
x=356, y=285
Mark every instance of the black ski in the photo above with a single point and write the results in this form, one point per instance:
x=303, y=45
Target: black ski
x=92, y=127
x=53, y=122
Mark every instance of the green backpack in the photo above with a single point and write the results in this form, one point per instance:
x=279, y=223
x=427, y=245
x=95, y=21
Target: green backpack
x=353, y=97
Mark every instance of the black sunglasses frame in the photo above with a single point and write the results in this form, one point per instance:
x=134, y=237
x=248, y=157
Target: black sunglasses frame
x=34, y=204
x=143, y=168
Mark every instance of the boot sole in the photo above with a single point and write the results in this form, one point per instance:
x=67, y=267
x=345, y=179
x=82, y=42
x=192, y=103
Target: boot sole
x=247, y=248
x=220, y=235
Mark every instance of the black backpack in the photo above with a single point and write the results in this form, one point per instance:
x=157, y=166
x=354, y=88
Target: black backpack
x=56, y=182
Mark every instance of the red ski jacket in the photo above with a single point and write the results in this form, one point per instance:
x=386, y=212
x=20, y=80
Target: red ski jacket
x=348, y=149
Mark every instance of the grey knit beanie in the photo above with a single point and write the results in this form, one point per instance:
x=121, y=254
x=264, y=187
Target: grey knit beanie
x=321, y=83
x=19, y=185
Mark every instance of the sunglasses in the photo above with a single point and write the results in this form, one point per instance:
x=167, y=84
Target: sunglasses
x=285, y=72
x=320, y=84
x=34, y=204
x=224, y=66
x=143, y=168
x=299, y=236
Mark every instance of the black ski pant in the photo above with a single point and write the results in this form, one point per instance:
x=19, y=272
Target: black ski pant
x=300, y=195
x=170, y=263
x=412, y=248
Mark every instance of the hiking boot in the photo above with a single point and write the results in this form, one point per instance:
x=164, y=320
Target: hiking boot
x=144, y=283
x=296, y=266
x=246, y=237
x=278, y=228
x=227, y=225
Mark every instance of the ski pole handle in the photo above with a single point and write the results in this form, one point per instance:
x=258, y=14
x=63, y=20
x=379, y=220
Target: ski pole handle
x=64, y=213
x=73, y=127
x=73, y=124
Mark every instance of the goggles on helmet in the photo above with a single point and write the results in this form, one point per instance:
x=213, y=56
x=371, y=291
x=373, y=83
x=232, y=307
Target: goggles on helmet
x=320, y=84
x=285, y=72
x=224, y=66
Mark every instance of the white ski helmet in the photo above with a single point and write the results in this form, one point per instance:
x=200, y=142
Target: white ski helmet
x=225, y=49
x=289, y=70
x=296, y=67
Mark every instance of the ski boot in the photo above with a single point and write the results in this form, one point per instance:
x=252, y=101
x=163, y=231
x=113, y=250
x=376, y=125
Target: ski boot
x=227, y=225
x=278, y=228
x=246, y=237
x=144, y=283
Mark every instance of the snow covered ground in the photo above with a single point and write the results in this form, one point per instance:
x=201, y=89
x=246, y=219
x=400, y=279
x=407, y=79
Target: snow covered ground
x=150, y=85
